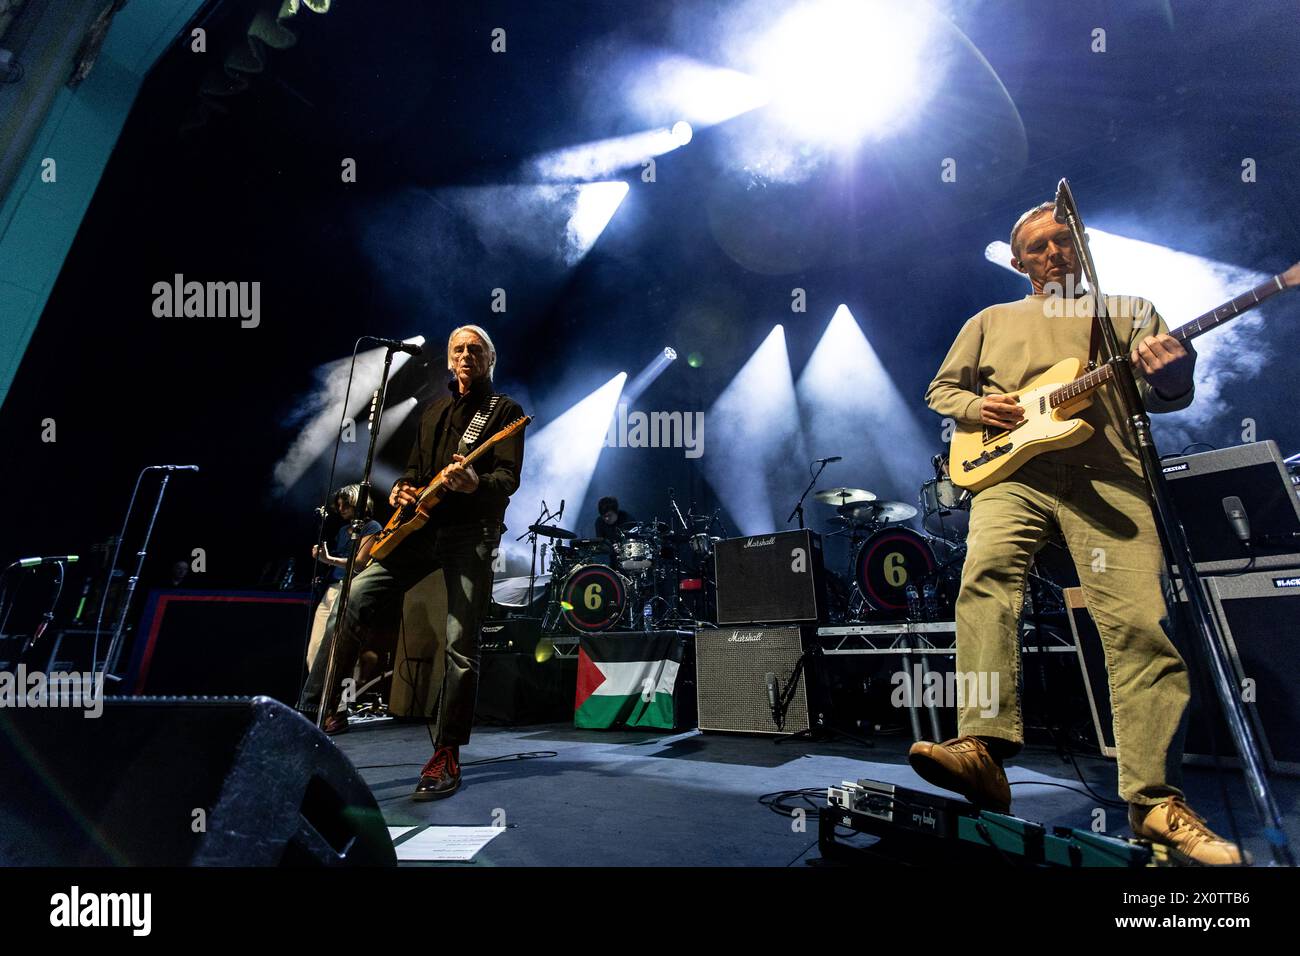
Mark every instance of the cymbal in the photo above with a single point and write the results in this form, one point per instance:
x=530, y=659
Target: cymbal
x=648, y=527
x=877, y=512
x=844, y=496
x=551, y=531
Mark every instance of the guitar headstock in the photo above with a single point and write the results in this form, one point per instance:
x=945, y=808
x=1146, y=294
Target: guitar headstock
x=1291, y=277
x=519, y=424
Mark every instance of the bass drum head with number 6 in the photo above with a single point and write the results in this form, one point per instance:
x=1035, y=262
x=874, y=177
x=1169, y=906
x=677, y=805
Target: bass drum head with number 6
x=593, y=598
x=888, y=562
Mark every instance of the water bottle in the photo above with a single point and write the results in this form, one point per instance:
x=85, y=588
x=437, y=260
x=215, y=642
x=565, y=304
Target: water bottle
x=913, y=603
x=647, y=616
x=931, y=595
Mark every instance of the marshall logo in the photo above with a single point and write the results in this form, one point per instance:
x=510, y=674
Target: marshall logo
x=745, y=637
x=1172, y=468
x=760, y=542
x=1286, y=582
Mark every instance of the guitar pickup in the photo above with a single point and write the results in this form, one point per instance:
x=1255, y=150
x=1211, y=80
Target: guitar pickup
x=997, y=451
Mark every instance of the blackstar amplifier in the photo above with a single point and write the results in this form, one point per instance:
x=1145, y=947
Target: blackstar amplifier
x=772, y=578
x=732, y=670
x=1259, y=616
x=1255, y=474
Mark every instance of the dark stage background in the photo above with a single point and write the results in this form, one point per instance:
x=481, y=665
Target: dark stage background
x=1152, y=134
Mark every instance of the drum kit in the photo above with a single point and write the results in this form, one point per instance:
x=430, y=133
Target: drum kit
x=653, y=576
x=893, y=570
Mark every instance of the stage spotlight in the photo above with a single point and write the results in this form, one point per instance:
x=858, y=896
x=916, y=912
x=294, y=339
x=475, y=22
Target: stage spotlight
x=648, y=374
x=700, y=94
x=695, y=360
x=682, y=132
x=1182, y=286
x=851, y=407
x=559, y=460
x=595, y=207
x=839, y=70
x=755, y=447
x=317, y=416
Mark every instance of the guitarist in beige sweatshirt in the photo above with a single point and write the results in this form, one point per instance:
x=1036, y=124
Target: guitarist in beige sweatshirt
x=1094, y=494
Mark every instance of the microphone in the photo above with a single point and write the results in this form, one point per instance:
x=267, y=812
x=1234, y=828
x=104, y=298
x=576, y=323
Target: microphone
x=35, y=562
x=772, y=694
x=397, y=345
x=1063, y=202
x=561, y=514
x=828, y=460
x=1235, y=512
x=172, y=468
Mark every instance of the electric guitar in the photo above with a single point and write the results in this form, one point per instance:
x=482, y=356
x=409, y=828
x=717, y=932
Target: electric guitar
x=412, y=517
x=983, y=455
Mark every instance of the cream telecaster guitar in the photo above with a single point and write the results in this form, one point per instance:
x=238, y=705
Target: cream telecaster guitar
x=411, y=518
x=982, y=455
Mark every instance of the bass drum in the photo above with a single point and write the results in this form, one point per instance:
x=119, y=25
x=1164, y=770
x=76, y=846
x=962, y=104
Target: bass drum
x=592, y=598
x=890, y=560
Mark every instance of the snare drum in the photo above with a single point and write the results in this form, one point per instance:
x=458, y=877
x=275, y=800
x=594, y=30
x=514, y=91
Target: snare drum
x=593, y=598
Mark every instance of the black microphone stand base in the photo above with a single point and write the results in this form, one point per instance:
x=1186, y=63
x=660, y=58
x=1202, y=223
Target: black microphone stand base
x=823, y=733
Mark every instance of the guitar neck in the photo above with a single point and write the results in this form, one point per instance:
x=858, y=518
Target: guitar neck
x=1184, y=333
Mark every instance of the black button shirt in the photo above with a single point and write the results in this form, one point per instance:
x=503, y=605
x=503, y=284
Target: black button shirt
x=441, y=426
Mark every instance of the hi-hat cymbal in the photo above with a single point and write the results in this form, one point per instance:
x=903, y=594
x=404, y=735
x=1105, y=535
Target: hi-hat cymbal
x=844, y=496
x=877, y=512
x=551, y=531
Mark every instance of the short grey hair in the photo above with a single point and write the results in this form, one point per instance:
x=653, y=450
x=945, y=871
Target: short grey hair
x=487, y=340
x=1025, y=217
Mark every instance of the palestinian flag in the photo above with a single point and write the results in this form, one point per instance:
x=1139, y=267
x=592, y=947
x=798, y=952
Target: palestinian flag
x=627, y=679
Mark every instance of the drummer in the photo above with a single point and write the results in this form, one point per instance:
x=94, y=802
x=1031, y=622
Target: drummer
x=612, y=523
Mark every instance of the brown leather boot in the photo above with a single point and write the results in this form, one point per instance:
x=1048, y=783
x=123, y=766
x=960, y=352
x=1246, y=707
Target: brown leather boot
x=1190, y=840
x=963, y=765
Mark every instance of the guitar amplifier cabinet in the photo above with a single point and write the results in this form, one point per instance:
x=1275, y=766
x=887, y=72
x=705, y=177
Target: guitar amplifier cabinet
x=1257, y=475
x=731, y=670
x=1259, y=616
x=771, y=578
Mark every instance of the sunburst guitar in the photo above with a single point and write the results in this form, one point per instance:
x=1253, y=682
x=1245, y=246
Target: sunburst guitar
x=982, y=455
x=412, y=517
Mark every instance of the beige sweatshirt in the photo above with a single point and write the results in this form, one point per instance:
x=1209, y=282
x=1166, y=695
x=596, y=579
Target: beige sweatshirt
x=1003, y=348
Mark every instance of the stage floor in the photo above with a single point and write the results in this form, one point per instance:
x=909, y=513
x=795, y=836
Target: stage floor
x=691, y=799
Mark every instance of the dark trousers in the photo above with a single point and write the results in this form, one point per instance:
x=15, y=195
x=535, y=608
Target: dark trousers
x=464, y=554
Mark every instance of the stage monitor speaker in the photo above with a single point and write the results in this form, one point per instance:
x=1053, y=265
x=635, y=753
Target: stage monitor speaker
x=732, y=666
x=181, y=781
x=772, y=578
x=222, y=644
x=1257, y=475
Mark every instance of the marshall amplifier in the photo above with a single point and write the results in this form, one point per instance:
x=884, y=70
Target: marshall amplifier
x=772, y=578
x=734, y=669
x=1257, y=477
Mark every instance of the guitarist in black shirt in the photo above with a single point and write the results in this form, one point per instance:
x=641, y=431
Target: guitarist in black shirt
x=461, y=538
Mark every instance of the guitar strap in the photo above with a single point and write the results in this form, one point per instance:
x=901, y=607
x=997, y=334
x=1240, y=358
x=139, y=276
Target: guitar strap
x=476, y=424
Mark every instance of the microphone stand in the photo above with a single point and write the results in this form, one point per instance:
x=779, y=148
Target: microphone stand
x=798, y=508
x=355, y=527
x=543, y=516
x=115, y=645
x=1173, y=540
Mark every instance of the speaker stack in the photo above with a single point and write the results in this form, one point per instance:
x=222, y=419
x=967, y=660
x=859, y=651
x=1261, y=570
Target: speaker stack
x=771, y=596
x=1242, y=517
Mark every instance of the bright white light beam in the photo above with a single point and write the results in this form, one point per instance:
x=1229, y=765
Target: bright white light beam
x=853, y=408
x=559, y=460
x=753, y=431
